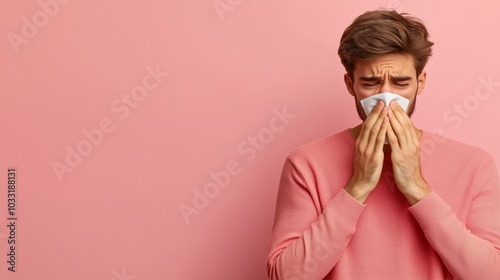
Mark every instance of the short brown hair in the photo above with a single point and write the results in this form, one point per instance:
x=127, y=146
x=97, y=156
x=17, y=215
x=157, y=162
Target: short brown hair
x=382, y=32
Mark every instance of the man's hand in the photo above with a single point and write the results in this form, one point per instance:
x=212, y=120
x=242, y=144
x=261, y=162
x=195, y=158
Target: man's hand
x=369, y=154
x=405, y=154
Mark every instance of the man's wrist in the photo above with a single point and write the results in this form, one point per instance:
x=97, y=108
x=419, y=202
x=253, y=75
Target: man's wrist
x=359, y=193
x=417, y=192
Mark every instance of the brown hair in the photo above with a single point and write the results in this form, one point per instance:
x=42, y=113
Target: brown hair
x=381, y=32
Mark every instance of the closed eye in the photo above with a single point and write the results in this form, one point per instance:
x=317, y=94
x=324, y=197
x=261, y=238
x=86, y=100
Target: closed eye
x=402, y=85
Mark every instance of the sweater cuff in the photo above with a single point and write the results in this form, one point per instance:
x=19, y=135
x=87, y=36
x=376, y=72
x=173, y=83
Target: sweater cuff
x=349, y=209
x=430, y=210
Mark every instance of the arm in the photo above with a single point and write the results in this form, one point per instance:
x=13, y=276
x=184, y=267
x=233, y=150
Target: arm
x=470, y=250
x=306, y=244
x=308, y=239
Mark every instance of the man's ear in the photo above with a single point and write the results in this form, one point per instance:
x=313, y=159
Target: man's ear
x=349, y=84
x=421, y=82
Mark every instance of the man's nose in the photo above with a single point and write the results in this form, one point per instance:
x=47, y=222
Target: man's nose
x=386, y=87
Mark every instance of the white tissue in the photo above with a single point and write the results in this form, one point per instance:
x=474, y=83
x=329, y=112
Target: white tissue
x=370, y=102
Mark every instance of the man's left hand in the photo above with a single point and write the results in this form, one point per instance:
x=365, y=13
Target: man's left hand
x=405, y=155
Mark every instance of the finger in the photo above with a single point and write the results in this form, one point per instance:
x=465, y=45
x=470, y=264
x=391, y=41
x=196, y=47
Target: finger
x=405, y=122
x=368, y=124
x=376, y=131
x=414, y=136
x=393, y=139
x=396, y=127
x=382, y=134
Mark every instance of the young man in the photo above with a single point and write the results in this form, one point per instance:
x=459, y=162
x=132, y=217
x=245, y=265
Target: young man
x=353, y=206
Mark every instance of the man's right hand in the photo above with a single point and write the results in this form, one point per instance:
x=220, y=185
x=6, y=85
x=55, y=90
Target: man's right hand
x=369, y=154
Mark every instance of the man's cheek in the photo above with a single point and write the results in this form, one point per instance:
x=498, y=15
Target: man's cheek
x=363, y=93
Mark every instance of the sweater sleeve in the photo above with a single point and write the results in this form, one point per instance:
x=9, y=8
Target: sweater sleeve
x=470, y=250
x=306, y=244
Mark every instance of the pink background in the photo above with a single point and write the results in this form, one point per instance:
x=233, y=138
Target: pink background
x=116, y=215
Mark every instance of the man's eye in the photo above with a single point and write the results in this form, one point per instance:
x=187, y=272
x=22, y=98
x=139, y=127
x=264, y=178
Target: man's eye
x=369, y=85
x=402, y=85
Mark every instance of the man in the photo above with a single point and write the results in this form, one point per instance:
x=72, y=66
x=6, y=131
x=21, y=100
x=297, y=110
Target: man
x=352, y=206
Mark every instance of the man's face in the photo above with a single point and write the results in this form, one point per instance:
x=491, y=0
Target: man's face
x=390, y=73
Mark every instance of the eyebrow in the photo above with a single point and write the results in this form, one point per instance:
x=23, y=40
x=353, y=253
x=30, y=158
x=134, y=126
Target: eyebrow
x=374, y=78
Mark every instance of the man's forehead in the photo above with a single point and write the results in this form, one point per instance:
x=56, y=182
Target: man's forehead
x=376, y=77
x=393, y=65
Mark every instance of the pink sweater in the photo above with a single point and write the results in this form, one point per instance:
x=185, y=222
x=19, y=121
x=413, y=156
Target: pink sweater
x=321, y=232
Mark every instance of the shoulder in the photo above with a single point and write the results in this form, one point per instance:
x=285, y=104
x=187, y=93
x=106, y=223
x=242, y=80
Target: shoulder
x=443, y=147
x=335, y=145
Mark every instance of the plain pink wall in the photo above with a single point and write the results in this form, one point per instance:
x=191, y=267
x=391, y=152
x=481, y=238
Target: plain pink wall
x=68, y=67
